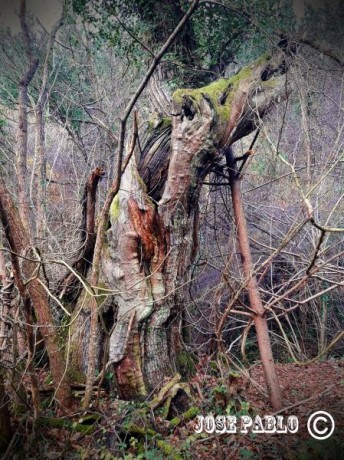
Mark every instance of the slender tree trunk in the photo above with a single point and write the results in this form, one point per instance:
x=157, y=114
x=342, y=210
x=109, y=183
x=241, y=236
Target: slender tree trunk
x=19, y=243
x=28, y=336
x=6, y=285
x=21, y=163
x=256, y=304
x=42, y=172
x=70, y=286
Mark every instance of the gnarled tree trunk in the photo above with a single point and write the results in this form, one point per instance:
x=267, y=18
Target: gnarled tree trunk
x=152, y=237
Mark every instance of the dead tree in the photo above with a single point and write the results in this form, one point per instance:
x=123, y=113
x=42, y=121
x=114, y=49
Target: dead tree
x=70, y=286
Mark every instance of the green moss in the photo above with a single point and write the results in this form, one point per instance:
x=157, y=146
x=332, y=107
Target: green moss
x=269, y=83
x=159, y=123
x=102, y=294
x=213, y=367
x=76, y=376
x=114, y=208
x=67, y=425
x=140, y=180
x=185, y=364
x=261, y=60
x=168, y=449
x=188, y=415
x=224, y=88
x=134, y=428
x=166, y=122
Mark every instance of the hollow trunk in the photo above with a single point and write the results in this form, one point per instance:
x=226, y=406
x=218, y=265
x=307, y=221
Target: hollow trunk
x=152, y=237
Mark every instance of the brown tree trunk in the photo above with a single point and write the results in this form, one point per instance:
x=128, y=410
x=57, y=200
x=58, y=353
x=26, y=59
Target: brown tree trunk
x=19, y=243
x=24, y=208
x=152, y=239
x=259, y=316
x=6, y=285
x=70, y=286
x=104, y=215
x=42, y=175
x=27, y=337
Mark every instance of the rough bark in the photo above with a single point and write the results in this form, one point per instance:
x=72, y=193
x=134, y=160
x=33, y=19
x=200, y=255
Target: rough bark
x=5, y=305
x=32, y=289
x=70, y=287
x=104, y=215
x=152, y=239
x=6, y=287
x=28, y=334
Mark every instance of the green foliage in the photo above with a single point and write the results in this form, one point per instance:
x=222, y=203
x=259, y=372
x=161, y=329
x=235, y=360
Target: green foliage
x=185, y=364
x=188, y=415
x=214, y=36
x=246, y=454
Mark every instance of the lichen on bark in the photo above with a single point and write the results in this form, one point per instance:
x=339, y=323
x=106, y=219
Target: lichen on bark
x=151, y=240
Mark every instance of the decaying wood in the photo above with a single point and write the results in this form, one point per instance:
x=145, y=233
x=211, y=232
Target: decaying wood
x=151, y=243
x=70, y=286
x=151, y=237
x=104, y=216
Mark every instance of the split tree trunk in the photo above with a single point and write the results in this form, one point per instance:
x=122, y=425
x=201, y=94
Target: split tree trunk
x=153, y=227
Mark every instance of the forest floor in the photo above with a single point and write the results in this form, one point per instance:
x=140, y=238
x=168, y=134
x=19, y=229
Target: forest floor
x=305, y=390
x=312, y=388
x=130, y=431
